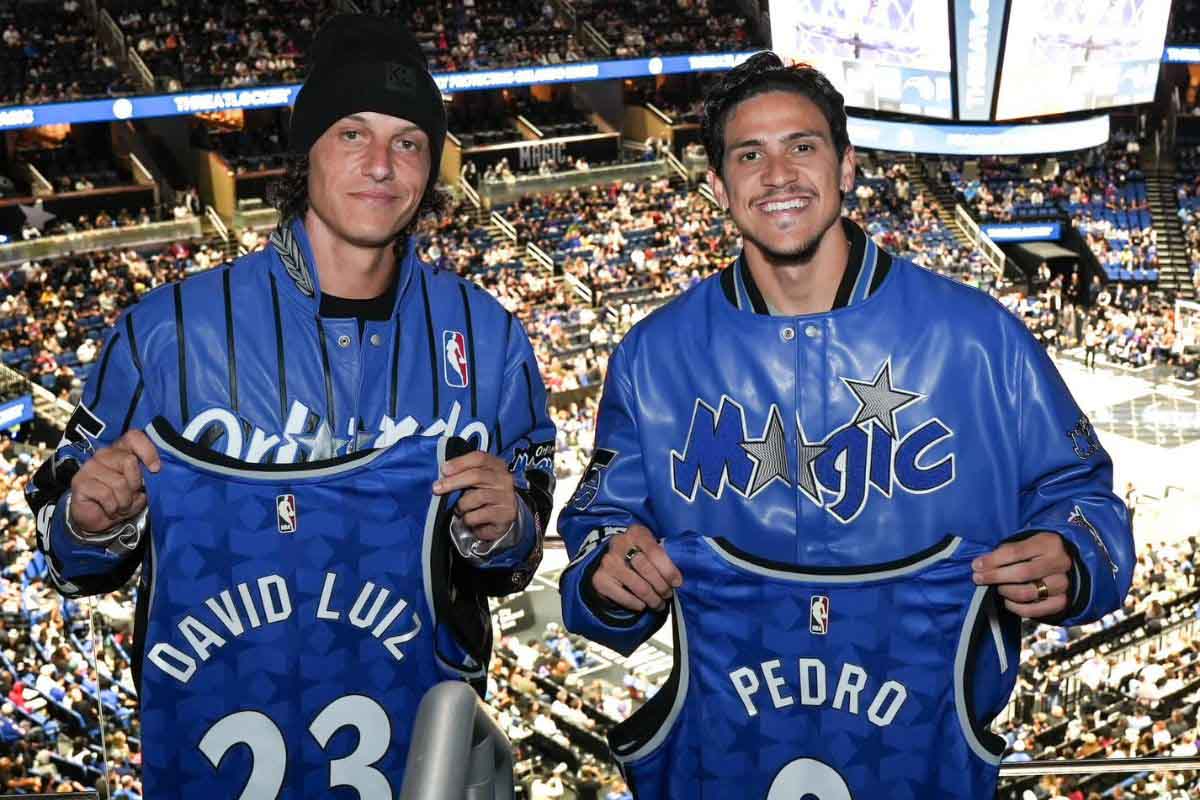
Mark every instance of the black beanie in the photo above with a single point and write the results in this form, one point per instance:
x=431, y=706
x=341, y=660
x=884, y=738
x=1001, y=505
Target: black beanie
x=360, y=62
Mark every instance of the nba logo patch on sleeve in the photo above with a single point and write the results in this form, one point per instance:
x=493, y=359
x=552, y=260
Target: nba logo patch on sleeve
x=818, y=615
x=285, y=513
x=454, y=359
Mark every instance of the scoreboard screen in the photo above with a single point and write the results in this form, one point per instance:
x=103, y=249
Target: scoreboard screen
x=886, y=55
x=1078, y=55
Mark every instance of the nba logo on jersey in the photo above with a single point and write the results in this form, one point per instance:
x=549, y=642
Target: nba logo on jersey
x=818, y=615
x=285, y=513
x=455, y=359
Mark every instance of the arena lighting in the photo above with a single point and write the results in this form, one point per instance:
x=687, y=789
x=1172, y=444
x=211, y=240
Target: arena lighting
x=1182, y=54
x=1000, y=140
x=166, y=105
x=1024, y=232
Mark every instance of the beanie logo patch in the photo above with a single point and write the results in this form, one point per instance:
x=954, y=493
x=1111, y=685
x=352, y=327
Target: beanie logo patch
x=399, y=77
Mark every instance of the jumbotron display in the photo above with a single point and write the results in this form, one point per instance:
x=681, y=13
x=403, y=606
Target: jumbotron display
x=1077, y=55
x=887, y=55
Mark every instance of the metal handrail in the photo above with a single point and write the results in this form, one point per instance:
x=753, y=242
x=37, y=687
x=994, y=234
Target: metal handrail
x=140, y=169
x=217, y=222
x=597, y=39
x=706, y=192
x=139, y=66
x=41, y=186
x=581, y=288
x=1094, y=766
x=539, y=255
x=469, y=192
x=991, y=251
x=504, y=225
x=458, y=752
x=678, y=166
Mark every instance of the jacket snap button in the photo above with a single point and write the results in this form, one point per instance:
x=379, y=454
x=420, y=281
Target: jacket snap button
x=787, y=334
x=343, y=341
x=376, y=339
x=812, y=331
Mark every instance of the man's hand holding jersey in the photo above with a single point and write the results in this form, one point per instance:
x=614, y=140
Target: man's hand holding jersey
x=1033, y=575
x=488, y=505
x=108, y=490
x=636, y=573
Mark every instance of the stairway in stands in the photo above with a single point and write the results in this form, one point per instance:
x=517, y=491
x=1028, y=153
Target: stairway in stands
x=932, y=186
x=1172, y=251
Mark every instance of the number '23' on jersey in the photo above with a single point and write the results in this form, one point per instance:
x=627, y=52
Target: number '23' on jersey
x=794, y=682
x=295, y=620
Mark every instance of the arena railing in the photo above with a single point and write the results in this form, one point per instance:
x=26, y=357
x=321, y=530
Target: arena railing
x=469, y=192
x=457, y=752
x=1015, y=775
x=139, y=66
x=218, y=224
x=505, y=226
x=502, y=192
x=991, y=251
x=678, y=166
x=539, y=255
x=596, y=39
x=106, y=239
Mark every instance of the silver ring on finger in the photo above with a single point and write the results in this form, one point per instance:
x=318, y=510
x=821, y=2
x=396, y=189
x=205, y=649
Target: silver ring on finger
x=630, y=554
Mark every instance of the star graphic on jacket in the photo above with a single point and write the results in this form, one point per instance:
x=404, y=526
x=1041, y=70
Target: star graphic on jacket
x=878, y=401
x=808, y=452
x=769, y=454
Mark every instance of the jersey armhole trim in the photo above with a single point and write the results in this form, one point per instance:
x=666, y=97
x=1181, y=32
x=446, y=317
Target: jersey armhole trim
x=646, y=729
x=976, y=629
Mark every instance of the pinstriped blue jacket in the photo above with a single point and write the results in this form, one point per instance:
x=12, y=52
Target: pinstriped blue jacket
x=239, y=360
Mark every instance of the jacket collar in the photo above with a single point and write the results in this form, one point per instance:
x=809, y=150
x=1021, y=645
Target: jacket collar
x=294, y=265
x=866, y=267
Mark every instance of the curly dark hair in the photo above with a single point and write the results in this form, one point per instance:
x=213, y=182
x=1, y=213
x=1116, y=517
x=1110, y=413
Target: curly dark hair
x=766, y=72
x=289, y=196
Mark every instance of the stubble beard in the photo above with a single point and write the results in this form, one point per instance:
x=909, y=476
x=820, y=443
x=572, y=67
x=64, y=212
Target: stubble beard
x=802, y=253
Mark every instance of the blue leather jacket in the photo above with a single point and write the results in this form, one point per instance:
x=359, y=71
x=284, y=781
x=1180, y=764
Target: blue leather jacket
x=239, y=360
x=916, y=409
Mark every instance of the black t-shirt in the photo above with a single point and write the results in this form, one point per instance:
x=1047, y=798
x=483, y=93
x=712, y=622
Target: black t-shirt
x=376, y=309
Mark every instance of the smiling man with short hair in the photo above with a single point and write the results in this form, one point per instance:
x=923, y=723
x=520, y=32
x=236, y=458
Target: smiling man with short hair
x=847, y=477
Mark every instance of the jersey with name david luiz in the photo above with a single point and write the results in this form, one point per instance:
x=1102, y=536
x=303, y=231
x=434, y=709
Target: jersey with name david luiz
x=917, y=408
x=240, y=360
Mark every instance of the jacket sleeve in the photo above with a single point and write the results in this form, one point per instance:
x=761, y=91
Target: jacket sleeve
x=612, y=495
x=524, y=437
x=113, y=401
x=1067, y=488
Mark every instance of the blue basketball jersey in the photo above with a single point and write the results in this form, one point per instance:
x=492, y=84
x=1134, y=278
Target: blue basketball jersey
x=294, y=621
x=793, y=682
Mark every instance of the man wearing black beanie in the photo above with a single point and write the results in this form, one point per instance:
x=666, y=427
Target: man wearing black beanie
x=334, y=339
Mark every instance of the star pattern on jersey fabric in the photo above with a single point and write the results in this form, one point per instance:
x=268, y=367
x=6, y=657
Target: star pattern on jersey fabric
x=769, y=454
x=322, y=444
x=808, y=452
x=879, y=401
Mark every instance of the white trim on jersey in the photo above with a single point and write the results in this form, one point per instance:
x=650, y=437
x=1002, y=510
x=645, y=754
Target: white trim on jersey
x=960, y=684
x=681, y=692
x=253, y=473
x=867, y=575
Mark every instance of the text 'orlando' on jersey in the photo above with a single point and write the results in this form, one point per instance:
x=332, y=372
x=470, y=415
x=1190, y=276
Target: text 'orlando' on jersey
x=917, y=406
x=285, y=646
x=240, y=360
